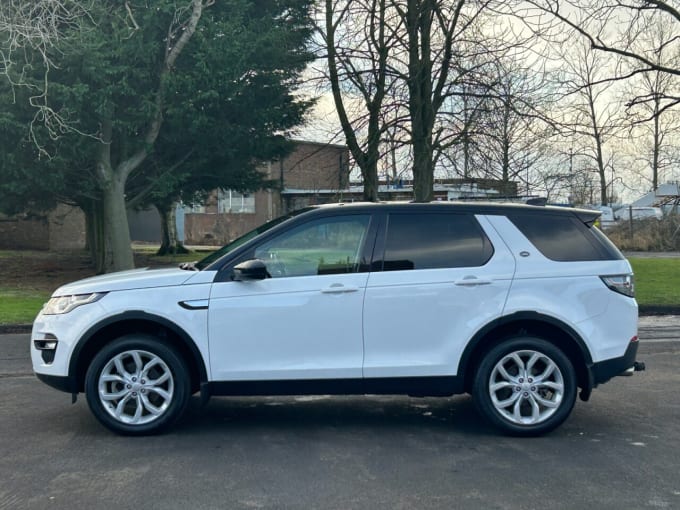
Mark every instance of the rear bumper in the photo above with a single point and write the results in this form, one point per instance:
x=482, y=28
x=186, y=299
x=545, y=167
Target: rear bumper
x=605, y=370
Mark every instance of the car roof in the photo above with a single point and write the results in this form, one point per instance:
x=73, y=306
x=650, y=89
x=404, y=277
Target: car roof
x=489, y=208
x=493, y=208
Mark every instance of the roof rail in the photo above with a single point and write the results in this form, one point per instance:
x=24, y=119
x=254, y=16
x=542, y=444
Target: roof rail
x=539, y=201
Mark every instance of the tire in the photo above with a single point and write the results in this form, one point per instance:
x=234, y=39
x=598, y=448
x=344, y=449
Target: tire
x=136, y=385
x=525, y=386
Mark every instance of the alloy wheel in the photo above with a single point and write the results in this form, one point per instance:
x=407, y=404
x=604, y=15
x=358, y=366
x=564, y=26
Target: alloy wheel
x=526, y=387
x=136, y=387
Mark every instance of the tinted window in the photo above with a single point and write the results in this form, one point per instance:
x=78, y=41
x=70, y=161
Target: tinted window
x=323, y=246
x=428, y=241
x=564, y=238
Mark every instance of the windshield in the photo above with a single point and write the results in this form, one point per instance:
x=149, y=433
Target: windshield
x=205, y=262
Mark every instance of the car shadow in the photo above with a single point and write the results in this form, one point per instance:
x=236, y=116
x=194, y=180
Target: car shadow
x=308, y=413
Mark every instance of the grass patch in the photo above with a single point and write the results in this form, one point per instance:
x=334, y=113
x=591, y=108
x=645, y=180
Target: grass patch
x=145, y=255
x=19, y=306
x=657, y=280
x=29, y=277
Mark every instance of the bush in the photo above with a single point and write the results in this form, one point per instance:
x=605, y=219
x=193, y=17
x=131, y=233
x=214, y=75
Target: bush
x=647, y=234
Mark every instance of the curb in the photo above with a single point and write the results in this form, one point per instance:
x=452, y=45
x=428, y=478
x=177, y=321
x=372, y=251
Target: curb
x=10, y=329
x=659, y=310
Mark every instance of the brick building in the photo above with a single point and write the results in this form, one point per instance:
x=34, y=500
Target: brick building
x=313, y=173
x=63, y=228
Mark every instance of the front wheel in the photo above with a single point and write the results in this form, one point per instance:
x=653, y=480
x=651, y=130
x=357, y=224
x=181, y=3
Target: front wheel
x=526, y=386
x=137, y=385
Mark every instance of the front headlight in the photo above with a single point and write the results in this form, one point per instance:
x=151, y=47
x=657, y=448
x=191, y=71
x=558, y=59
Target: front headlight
x=64, y=304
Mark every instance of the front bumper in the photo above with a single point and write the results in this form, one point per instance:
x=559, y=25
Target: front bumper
x=62, y=383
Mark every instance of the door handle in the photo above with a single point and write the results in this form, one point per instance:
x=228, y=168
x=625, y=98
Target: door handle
x=338, y=288
x=472, y=281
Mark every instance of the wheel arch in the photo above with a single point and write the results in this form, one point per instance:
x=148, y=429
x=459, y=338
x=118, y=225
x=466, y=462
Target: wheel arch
x=535, y=324
x=132, y=322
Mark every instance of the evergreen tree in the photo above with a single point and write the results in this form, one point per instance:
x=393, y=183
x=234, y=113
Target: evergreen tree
x=163, y=94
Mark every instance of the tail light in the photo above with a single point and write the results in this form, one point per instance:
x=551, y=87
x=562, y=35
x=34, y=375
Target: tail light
x=621, y=283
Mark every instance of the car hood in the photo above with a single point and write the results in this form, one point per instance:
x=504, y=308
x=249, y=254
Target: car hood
x=126, y=280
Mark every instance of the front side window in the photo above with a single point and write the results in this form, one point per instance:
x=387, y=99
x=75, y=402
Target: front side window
x=431, y=241
x=322, y=246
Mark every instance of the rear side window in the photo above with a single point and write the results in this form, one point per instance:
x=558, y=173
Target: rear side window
x=430, y=241
x=565, y=238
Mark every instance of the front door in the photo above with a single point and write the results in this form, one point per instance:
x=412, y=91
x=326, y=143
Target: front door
x=305, y=321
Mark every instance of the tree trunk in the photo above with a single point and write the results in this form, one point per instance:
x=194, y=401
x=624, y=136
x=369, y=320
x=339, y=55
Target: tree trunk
x=94, y=231
x=423, y=174
x=421, y=108
x=117, y=248
x=366, y=160
x=598, y=139
x=370, y=175
x=169, y=242
x=657, y=144
x=601, y=171
x=505, y=143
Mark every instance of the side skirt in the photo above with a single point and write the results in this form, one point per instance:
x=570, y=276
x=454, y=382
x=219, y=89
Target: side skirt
x=413, y=386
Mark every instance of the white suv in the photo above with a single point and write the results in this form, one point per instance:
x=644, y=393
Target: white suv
x=518, y=305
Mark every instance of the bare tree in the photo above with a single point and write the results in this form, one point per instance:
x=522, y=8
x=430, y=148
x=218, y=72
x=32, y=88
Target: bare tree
x=473, y=108
x=582, y=187
x=411, y=79
x=593, y=113
x=463, y=155
x=652, y=123
x=394, y=67
x=358, y=37
x=653, y=127
x=427, y=77
x=617, y=27
x=29, y=34
x=518, y=130
x=637, y=42
x=453, y=49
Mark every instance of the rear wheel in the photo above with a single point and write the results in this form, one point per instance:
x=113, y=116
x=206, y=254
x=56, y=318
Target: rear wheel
x=137, y=385
x=525, y=386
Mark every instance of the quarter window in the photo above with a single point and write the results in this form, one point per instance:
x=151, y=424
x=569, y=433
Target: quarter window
x=563, y=238
x=430, y=241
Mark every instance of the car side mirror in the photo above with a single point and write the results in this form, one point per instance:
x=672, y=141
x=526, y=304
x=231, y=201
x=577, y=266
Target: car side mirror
x=253, y=269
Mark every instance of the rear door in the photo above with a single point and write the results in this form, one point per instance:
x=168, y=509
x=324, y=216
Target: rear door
x=444, y=275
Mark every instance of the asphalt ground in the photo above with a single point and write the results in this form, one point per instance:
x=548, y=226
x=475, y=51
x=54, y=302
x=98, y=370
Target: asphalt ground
x=619, y=450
